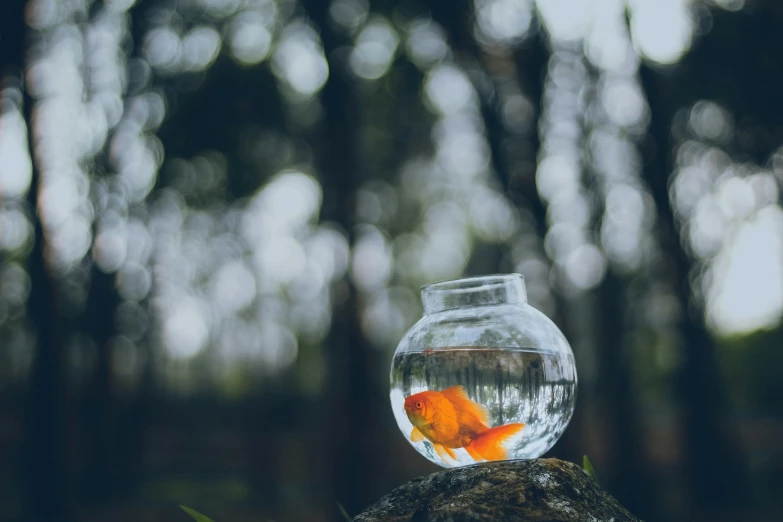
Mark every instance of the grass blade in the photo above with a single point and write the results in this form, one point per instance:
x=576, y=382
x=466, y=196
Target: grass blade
x=198, y=517
x=588, y=467
x=342, y=511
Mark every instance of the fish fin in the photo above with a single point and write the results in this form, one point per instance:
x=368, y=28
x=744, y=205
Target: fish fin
x=457, y=396
x=444, y=452
x=450, y=452
x=416, y=435
x=489, y=445
x=472, y=452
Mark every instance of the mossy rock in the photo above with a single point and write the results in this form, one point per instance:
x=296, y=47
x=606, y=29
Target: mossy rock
x=542, y=490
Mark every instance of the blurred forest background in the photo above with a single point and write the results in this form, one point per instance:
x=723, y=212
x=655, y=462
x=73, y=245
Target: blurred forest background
x=215, y=216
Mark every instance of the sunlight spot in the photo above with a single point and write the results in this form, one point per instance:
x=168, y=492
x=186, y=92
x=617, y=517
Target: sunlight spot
x=15, y=165
x=764, y=188
x=233, y=287
x=44, y=13
x=278, y=346
x=374, y=51
x=626, y=204
x=70, y=241
x=200, y=48
x=463, y=152
x=163, y=49
x=747, y=292
x=710, y=121
x=566, y=20
x=623, y=102
x=185, y=329
x=608, y=45
x=133, y=281
x=690, y=184
x=309, y=284
x=492, y=216
x=585, y=267
x=110, y=250
x=661, y=29
x=562, y=239
x=280, y=260
x=555, y=175
x=15, y=284
x=382, y=321
x=426, y=43
x=299, y=60
x=707, y=227
x=311, y=320
x=329, y=248
x=15, y=229
x=449, y=90
x=443, y=255
x=249, y=39
x=139, y=240
x=569, y=208
x=288, y=201
x=349, y=13
x=372, y=262
x=139, y=172
x=503, y=21
x=735, y=197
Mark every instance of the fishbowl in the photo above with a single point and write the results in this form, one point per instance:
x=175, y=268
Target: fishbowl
x=483, y=376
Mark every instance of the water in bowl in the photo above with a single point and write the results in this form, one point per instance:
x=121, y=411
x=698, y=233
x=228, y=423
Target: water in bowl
x=513, y=385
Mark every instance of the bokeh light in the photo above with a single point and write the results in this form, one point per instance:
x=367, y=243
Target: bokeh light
x=375, y=47
x=729, y=212
x=299, y=61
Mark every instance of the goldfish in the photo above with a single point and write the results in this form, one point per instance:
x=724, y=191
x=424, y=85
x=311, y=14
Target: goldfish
x=450, y=420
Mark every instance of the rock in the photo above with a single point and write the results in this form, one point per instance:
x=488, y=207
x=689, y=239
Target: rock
x=542, y=490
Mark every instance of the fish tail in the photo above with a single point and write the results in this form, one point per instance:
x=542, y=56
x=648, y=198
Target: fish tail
x=489, y=445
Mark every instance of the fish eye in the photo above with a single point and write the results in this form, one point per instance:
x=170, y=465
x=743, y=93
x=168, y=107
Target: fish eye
x=418, y=405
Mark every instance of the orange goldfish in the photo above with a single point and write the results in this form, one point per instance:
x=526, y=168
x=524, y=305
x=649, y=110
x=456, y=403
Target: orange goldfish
x=449, y=419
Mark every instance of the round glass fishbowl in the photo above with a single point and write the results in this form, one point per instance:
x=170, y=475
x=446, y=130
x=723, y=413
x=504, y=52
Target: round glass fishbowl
x=483, y=376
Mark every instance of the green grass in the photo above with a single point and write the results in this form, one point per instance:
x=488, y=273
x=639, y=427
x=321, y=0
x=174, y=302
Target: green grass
x=198, y=517
x=342, y=511
x=588, y=467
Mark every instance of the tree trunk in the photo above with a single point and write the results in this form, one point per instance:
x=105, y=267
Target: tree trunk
x=135, y=418
x=712, y=459
x=100, y=400
x=352, y=411
x=43, y=454
x=630, y=481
